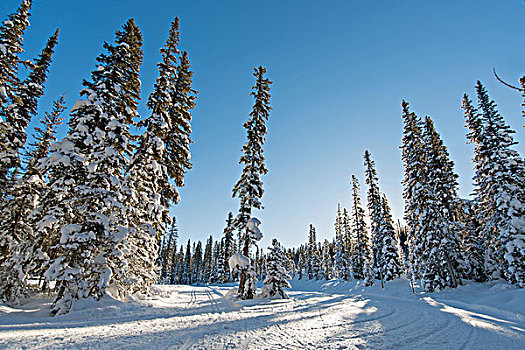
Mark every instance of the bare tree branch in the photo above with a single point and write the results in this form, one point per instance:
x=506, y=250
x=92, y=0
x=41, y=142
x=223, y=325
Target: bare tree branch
x=506, y=84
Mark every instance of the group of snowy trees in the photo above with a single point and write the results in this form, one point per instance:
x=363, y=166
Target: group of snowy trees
x=451, y=238
x=356, y=252
x=85, y=214
x=193, y=264
x=249, y=189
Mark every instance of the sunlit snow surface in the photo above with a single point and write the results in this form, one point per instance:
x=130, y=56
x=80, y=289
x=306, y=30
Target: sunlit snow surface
x=319, y=315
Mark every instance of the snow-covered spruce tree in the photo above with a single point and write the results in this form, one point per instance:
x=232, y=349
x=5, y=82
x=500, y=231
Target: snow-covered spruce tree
x=17, y=218
x=249, y=188
x=228, y=248
x=414, y=181
x=442, y=263
x=301, y=263
x=327, y=268
x=163, y=154
x=207, y=264
x=348, y=240
x=12, y=125
x=369, y=274
x=499, y=180
x=168, y=250
x=197, y=263
x=277, y=277
x=84, y=213
x=341, y=260
x=313, y=261
x=390, y=265
x=23, y=196
x=471, y=242
x=374, y=212
x=178, y=278
x=361, y=252
x=220, y=268
x=186, y=268
x=474, y=123
x=290, y=263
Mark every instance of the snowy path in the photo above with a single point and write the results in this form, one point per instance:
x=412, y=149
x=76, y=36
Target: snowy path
x=329, y=315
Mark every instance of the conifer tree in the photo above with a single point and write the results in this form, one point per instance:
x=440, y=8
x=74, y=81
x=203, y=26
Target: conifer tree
x=219, y=267
x=499, y=180
x=361, y=254
x=208, y=260
x=471, y=242
x=187, y=270
x=313, y=262
x=414, y=181
x=249, y=188
x=442, y=265
x=169, y=250
x=24, y=196
x=301, y=263
x=180, y=266
x=341, y=258
x=228, y=246
x=374, y=210
x=197, y=263
x=25, y=253
x=84, y=213
x=163, y=153
x=277, y=276
x=326, y=262
x=31, y=89
x=390, y=264
x=348, y=241
x=12, y=125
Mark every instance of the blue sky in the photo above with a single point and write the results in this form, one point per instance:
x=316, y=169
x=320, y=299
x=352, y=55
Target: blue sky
x=340, y=70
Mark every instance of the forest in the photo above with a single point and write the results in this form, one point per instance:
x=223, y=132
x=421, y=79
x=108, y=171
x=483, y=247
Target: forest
x=89, y=215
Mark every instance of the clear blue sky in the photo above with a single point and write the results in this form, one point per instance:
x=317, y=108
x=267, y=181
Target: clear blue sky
x=340, y=70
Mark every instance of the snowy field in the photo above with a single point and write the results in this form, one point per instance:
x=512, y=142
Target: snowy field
x=320, y=315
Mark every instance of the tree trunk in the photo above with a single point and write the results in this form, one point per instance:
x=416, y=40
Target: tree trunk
x=451, y=272
x=242, y=279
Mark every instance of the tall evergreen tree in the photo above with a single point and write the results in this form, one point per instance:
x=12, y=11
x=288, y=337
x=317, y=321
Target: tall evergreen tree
x=163, y=153
x=168, y=250
x=390, y=265
x=327, y=267
x=197, y=263
x=249, y=188
x=442, y=265
x=12, y=125
x=361, y=254
x=414, y=181
x=471, y=242
x=229, y=248
x=208, y=261
x=313, y=260
x=25, y=253
x=187, y=270
x=84, y=211
x=374, y=210
x=341, y=264
x=499, y=180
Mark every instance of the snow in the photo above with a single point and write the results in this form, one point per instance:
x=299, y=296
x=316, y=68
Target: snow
x=238, y=261
x=79, y=103
x=253, y=227
x=319, y=315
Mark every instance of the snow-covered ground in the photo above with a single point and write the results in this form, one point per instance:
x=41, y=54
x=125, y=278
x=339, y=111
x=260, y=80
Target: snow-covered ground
x=320, y=315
